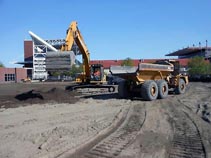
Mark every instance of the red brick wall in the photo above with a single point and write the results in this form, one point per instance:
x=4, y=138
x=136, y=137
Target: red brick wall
x=20, y=74
x=28, y=50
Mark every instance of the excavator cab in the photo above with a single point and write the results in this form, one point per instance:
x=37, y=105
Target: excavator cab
x=97, y=73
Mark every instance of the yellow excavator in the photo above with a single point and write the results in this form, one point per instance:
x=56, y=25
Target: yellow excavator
x=92, y=75
x=89, y=74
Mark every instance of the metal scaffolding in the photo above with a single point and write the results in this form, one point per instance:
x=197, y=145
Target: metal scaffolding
x=40, y=48
x=39, y=66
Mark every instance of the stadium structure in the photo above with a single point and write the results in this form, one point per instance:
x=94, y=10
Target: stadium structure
x=190, y=52
x=35, y=55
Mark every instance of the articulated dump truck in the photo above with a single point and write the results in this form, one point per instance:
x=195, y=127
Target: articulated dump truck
x=150, y=81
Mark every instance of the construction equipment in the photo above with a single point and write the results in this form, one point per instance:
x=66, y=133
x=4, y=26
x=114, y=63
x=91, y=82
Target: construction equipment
x=150, y=81
x=27, y=79
x=92, y=74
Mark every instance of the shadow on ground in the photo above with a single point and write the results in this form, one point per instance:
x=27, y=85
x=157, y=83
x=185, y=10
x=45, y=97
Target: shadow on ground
x=102, y=96
x=111, y=96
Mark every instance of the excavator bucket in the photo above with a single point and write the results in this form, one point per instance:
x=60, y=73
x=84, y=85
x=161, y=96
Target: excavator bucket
x=59, y=61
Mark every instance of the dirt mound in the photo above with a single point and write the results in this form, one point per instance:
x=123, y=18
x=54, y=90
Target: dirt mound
x=38, y=96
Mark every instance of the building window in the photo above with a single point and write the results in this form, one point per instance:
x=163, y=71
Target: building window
x=9, y=77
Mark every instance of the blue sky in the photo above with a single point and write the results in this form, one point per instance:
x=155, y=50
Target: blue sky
x=112, y=29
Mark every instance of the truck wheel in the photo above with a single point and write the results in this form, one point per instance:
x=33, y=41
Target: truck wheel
x=162, y=89
x=149, y=90
x=123, y=90
x=180, y=89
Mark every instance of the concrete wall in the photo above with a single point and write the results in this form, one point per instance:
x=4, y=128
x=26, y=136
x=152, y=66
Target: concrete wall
x=12, y=74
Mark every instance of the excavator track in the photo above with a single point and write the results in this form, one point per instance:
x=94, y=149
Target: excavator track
x=187, y=141
x=112, y=145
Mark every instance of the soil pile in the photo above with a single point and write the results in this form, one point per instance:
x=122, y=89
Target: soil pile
x=39, y=95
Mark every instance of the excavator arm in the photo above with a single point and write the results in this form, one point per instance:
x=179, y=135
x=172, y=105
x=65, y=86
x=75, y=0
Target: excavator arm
x=74, y=35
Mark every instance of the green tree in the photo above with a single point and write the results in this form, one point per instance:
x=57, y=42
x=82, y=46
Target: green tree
x=76, y=69
x=56, y=73
x=1, y=64
x=127, y=62
x=198, y=66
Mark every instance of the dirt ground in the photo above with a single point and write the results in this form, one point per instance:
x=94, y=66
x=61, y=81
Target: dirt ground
x=45, y=120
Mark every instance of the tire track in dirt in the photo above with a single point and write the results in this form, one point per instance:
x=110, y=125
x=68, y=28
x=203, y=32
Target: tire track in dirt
x=187, y=141
x=124, y=135
x=196, y=104
x=199, y=103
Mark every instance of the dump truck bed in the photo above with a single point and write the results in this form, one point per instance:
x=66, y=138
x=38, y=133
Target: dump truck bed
x=121, y=70
x=144, y=71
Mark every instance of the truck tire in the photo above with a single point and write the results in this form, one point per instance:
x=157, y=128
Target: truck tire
x=162, y=89
x=180, y=89
x=149, y=90
x=123, y=90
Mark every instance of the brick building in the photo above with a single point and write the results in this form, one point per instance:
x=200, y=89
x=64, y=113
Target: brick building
x=28, y=54
x=9, y=75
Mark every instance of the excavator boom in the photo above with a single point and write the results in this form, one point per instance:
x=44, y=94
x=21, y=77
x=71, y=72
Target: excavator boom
x=73, y=35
